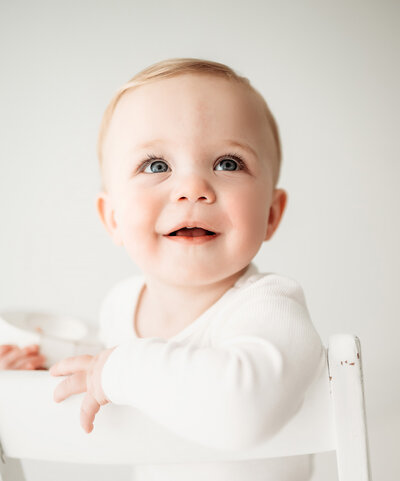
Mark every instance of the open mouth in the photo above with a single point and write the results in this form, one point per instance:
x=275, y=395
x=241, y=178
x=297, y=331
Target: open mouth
x=192, y=232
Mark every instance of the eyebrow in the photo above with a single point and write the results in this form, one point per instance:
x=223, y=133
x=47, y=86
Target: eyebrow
x=243, y=145
x=230, y=142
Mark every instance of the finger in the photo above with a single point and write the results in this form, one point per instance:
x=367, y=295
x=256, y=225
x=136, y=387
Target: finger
x=31, y=348
x=8, y=359
x=17, y=357
x=30, y=362
x=89, y=408
x=70, y=365
x=73, y=384
x=4, y=348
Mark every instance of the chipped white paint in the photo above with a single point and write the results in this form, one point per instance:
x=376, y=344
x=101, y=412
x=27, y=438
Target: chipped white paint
x=346, y=378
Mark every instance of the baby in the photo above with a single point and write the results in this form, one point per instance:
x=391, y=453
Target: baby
x=202, y=342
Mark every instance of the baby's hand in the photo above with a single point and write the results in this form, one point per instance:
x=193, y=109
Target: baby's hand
x=14, y=357
x=84, y=375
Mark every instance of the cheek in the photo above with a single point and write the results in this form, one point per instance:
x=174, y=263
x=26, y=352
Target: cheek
x=248, y=213
x=138, y=216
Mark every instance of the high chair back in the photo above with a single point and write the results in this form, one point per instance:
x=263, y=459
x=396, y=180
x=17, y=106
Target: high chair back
x=331, y=418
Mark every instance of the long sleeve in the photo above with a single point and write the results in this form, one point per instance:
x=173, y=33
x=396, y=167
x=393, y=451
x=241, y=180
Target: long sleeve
x=239, y=390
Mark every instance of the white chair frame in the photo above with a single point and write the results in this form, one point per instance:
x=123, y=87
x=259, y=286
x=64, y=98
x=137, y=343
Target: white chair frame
x=331, y=418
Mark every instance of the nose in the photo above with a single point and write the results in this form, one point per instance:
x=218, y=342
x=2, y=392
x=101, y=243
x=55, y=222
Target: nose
x=193, y=188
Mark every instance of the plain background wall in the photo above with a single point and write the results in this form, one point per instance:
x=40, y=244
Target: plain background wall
x=330, y=73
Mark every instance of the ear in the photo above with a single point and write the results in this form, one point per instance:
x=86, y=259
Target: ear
x=278, y=205
x=107, y=216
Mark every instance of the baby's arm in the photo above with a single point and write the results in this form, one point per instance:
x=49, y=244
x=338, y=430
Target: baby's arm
x=242, y=388
x=27, y=358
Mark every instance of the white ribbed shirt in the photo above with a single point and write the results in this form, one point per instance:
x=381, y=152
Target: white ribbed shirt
x=231, y=378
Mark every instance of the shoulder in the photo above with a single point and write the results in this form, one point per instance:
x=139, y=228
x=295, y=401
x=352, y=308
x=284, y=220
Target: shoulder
x=268, y=286
x=268, y=305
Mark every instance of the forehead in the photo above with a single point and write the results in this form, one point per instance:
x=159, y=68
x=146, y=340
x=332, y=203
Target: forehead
x=189, y=108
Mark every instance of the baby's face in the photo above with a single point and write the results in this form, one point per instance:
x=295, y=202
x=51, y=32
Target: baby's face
x=194, y=127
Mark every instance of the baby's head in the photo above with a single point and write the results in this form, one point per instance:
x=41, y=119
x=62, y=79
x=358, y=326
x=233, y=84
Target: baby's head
x=189, y=143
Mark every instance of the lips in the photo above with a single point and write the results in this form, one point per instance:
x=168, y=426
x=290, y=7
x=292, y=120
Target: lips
x=191, y=232
x=192, y=229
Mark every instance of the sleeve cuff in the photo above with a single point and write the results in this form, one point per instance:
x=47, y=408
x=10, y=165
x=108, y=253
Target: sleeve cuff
x=111, y=375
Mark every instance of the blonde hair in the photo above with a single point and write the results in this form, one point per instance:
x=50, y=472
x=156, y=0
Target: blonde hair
x=173, y=67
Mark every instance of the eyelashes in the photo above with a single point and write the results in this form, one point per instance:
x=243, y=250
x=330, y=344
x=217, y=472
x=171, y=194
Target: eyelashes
x=230, y=156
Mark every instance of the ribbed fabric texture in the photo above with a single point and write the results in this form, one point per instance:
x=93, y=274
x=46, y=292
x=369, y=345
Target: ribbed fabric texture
x=230, y=379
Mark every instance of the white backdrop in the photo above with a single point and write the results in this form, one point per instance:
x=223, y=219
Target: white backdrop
x=330, y=73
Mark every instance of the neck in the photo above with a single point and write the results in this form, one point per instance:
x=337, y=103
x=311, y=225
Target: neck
x=177, y=305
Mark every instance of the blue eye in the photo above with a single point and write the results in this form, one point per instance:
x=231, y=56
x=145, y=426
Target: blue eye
x=156, y=166
x=157, y=163
x=232, y=162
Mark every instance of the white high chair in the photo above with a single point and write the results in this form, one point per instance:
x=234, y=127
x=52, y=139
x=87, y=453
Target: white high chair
x=331, y=418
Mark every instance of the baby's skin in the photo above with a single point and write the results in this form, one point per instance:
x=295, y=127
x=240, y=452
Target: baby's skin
x=24, y=358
